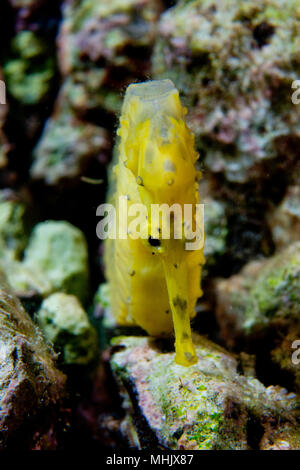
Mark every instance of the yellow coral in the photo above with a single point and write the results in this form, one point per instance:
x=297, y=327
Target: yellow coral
x=155, y=282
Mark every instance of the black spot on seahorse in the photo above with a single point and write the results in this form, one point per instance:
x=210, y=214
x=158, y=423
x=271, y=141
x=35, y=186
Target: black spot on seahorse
x=181, y=303
x=154, y=241
x=185, y=336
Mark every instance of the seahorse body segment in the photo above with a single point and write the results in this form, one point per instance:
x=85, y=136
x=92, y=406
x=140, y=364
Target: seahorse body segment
x=155, y=282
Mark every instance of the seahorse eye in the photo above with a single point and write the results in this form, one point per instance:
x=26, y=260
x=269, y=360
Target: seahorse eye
x=154, y=241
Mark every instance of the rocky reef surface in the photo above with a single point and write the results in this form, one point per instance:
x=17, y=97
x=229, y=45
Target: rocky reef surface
x=68, y=374
x=234, y=62
x=30, y=384
x=206, y=406
x=261, y=304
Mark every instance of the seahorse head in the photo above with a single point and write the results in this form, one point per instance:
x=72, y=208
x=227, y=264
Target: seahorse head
x=157, y=144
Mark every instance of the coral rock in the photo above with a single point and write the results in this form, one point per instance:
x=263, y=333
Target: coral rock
x=263, y=301
x=103, y=47
x=67, y=146
x=13, y=225
x=66, y=325
x=205, y=406
x=285, y=219
x=29, y=382
x=30, y=70
x=58, y=250
x=235, y=63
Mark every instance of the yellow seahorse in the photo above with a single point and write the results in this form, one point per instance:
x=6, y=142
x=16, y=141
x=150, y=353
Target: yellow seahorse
x=155, y=282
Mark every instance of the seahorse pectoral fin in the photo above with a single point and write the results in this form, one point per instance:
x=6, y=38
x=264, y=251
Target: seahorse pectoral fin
x=177, y=285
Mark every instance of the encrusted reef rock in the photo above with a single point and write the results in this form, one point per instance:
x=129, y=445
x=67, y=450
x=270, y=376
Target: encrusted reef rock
x=104, y=46
x=67, y=146
x=263, y=301
x=27, y=282
x=205, y=406
x=30, y=69
x=58, y=251
x=30, y=384
x=13, y=225
x=216, y=231
x=66, y=324
x=14, y=235
x=285, y=219
x=54, y=258
x=266, y=294
x=235, y=62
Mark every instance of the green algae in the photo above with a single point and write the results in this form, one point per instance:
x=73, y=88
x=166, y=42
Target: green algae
x=13, y=227
x=205, y=406
x=30, y=70
x=275, y=294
